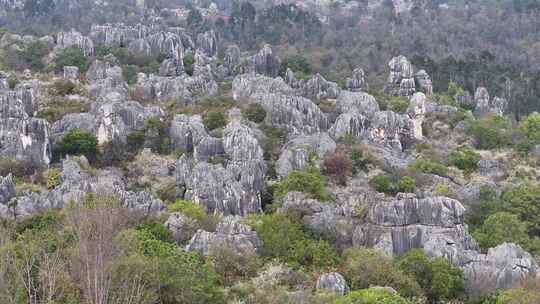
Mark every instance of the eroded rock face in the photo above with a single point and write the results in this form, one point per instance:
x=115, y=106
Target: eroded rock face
x=207, y=42
x=217, y=188
x=417, y=112
x=401, y=79
x=357, y=102
x=71, y=73
x=357, y=82
x=181, y=226
x=118, y=34
x=229, y=232
x=319, y=88
x=297, y=153
x=264, y=63
x=484, y=105
x=106, y=82
x=75, y=185
x=22, y=136
x=187, y=132
x=247, y=85
x=332, y=282
x=7, y=189
x=424, y=83
x=181, y=89
x=75, y=39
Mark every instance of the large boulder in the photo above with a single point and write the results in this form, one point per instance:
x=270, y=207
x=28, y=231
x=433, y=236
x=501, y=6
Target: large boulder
x=264, y=63
x=424, y=83
x=186, y=132
x=7, y=189
x=358, y=102
x=246, y=85
x=75, y=39
x=229, y=232
x=357, y=82
x=417, y=112
x=332, y=282
x=401, y=79
x=182, y=227
x=484, y=105
x=297, y=153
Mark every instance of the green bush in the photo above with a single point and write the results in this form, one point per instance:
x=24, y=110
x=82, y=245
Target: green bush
x=359, y=161
x=439, y=280
x=189, y=62
x=465, y=159
x=310, y=181
x=62, y=88
x=531, y=127
x=428, y=166
x=523, y=201
x=518, y=296
x=189, y=209
x=53, y=178
x=32, y=55
x=157, y=230
x=12, y=82
x=283, y=238
x=78, y=142
x=72, y=56
x=502, y=227
x=385, y=184
x=214, y=120
x=255, y=112
x=58, y=107
x=372, y=296
x=490, y=132
x=130, y=73
x=369, y=267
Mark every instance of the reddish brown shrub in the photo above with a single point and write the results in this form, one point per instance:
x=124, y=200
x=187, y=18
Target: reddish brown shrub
x=338, y=166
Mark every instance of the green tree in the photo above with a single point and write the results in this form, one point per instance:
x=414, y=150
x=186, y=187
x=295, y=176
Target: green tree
x=255, y=112
x=465, y=159
x=32, y=55
x=366, y=267
x=438, y=279
x=214, y=120
x=372, y=296
x=309, y=181
x=531, y=127
x=499, y=228
x=72, y=56
x=78, y=142
x=524, y=201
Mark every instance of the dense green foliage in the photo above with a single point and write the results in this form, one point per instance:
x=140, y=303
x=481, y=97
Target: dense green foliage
x=372, y=296
x=72, y=56
x=309, y=181
x=438, y=279
x=385, y=184
x=465, y=159
x=490, y=132
x=78, y=142
x=189, y=209
x=255, y=112
x=429, y=166
x=214, y=120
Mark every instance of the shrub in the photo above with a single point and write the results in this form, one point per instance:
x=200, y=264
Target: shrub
x=32, y=55
x=78, y=142
x=214, y=120
x=310, y=182
x=523, y=201
x=369, y=267
x=384, y=183
x=189, y=62
x=58, y=107
x=429, y=166
x=372, y=296
x=53, y=178
x=12, y=82
x=62, y=88
x=298, y=64
x=255, y=112
x=157, y=230
x=465, y=159
x=499, y=228
x=16, y=167
x=72, y=56
x=490, y=132
x=231, y=265
x=438, y=279
x=518, y=296
x=531, y=127
x=359, y=161
x=338, y=166
x=130, y=73
x=443, y=190
x=189, y=209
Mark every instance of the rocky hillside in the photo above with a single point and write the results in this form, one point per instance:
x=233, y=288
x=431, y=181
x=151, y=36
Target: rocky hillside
x=178, y=160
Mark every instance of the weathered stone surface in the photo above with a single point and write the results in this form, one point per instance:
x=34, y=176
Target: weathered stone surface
x=401, y=79
x=71, y=73
x=296, y=153
x=106, y=82
x=216, y=187
x=357, y=82
x=7, y=189
x=186, y=132
x=182, y=227
x=332, y=282
x=229, y=232
x=423, y=82
x=357, y=102
x=247, y=85
x=232, y=58
x=75, y=39
x=22, y=136
x=484, y=105
x=417, y=112
x=181, y=89
x=207, y=42
x=118, y=34
x=319, y=88
x=505, y=266
x=264, y=63
x=84, y=121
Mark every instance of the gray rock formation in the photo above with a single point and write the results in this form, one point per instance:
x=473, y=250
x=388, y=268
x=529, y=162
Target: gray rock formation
x=401, y=79
x=232, y=58
x=181, y=89
x=297, y=153
x=357, y=82
x=264, y=63
x=357, y=102
x=7, y=189
x=75, y=39
x=106, y=82
x=187, y=132
x=319, y=88
x=118, y=34
x=217, y=188
x=71, y=73
x=247, y=85
x=417, y=113
x=423, y=82
x=484, y=105
x=22, y=136
x=207, y=42
x=332, y=282
x=229, y=232
x=182, y=227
